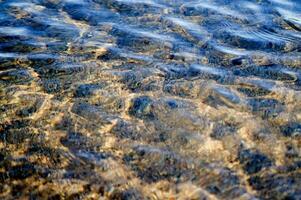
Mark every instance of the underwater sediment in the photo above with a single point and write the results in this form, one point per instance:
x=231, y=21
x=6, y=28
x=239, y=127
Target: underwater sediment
x=154, y=99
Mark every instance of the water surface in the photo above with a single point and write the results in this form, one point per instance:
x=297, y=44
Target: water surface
x=150, y=99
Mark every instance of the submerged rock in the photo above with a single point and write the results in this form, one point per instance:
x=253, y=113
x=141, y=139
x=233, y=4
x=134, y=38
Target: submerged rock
x=52, y=85
x=133, y=99
x=291, y=130
x=86, y=90
x=16, y=76
x=253, y=161
x=275, y=186
x=153, y=165
x=142, y=107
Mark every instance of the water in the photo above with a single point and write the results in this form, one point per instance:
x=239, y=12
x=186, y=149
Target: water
x=153, y=99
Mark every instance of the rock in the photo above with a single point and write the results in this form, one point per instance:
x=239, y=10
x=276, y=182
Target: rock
x=86, y=90
x=129, y=194
x=265, y=107
x=253, y=161
x=16, y=76
x=79, y=142
x=26, y=112
x=60, y=69
x=22, y=171
x=274, y=186
x=153, y=165
x=226, y=184
x=292, y=129
x=172, y=104
x=273, y=72
x=52, y=85
x=92, y=113
x=254, y=91
x=259, y=104
x=17, y=136
x=142, y=107
x=15, y=133
x=221, y=130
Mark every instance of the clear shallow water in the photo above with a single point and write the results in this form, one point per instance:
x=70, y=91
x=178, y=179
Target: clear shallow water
x=131, y=99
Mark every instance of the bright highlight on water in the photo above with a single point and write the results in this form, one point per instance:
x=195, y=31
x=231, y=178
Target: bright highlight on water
x=154, y=99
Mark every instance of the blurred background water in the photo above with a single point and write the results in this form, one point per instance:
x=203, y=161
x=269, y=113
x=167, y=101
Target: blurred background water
x=150, y=99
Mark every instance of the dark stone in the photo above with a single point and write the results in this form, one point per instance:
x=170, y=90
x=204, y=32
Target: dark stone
x=64, y=124
x=130, y=194
x=17, y=136
x=253, y=161
x=60, y=69
x=213, y=189
x=55, y=155
x=161, y=137
x=275, y=186
x=293, y=167
x=259, y=104
x=15, y=76
x=15, y=124
x=172, y=104
x=153, y=166
x=271, y=72
x=91, y=113
x=142, y=108
x=78, y=142
x=22, y=171
x=26, y=112
x=267, y=108
x=41, y=149
x=253, y=91
x=179, y=71
x=221, y=131
x=86, y=90
x=291, y=130
x=222, y=182
x=292, y=152
x=132, y=80
x=15, y=132
x=73, y=139
x=52, y=85
x=124, y=129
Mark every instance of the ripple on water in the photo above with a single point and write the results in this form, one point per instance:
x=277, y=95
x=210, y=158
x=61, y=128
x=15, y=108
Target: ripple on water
x=155, y=99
